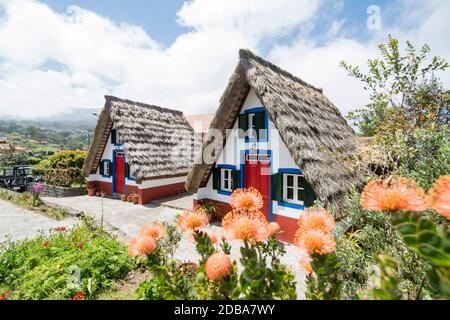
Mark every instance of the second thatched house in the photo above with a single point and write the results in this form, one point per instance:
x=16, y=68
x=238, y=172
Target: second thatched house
x=274, y=132
x=140, y=148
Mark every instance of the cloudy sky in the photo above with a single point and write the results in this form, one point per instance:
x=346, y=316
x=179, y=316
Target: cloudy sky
x=56, y=55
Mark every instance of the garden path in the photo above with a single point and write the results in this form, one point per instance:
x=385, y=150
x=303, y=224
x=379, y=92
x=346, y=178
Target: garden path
x=17, y=223
x=125, y=220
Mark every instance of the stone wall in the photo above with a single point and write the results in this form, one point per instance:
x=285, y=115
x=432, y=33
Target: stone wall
x=58, y=192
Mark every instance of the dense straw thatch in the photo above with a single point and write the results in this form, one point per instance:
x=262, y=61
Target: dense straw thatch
x=158, y=142
x=316, y=135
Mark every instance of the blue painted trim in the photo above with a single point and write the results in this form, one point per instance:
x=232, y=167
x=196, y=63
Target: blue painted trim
x=226, y=166
x=291, y=205
x=288, y=204
x=225, y=193
x=242, y=165
x=290, y=170
x=255, y=110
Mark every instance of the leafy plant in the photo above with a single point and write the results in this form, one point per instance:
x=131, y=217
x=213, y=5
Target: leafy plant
x=59, y=265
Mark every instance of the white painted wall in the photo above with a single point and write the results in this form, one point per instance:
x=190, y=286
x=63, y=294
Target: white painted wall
x=108, y=155
x=230, y=155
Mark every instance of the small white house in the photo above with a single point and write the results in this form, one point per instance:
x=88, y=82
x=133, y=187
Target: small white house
x=281, y=136
x=140, y=148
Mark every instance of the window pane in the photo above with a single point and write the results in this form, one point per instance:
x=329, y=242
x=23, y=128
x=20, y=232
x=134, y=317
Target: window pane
x=300, y=195
x=290, y=180
x=225, y=174
x=290, y=193
x=225, y=184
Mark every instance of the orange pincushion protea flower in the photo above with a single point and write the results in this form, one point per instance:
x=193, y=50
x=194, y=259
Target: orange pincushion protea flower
x=155, y=230
x=218, y=266
x=274, y=229
x=192, y=221
x=249, y=199
x=398, y=194
x=252, y=227
x=133, y=249
x=146, y=245
x=305, y=264
x=438, y=197
x=316, y=219
x=315, y=241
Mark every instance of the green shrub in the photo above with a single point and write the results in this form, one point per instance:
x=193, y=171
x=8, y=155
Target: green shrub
x=42, y=268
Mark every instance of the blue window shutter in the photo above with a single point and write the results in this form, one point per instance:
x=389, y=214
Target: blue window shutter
x=236, y=176
x=243, y=125
x=102, y=168
x=216, y=179
x=113, y=136
x=260, y=125
x=277, y=187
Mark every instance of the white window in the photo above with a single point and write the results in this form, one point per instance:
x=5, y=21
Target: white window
x=293, y=191
x=226, y=180
x=251, y=126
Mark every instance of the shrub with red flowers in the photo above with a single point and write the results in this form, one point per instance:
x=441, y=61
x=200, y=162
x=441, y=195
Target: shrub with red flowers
x=78, y=296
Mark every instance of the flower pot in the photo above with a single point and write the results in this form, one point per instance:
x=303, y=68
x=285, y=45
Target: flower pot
x=129, y=198
x=123, y=197
x=135, y=199
x=91, y=192
x=103, y=194
x=98, y=194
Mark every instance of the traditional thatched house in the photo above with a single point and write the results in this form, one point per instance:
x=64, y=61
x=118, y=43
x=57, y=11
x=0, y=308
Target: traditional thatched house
x=282, y=136
x=140, y=148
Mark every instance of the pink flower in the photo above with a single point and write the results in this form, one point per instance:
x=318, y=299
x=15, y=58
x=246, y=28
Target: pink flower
x=38, y=188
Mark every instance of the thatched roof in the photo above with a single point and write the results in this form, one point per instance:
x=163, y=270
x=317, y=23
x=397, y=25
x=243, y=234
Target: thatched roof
x=158, y=142
x=315, y=133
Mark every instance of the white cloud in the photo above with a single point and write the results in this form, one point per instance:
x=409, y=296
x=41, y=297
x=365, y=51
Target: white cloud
x=51, y=62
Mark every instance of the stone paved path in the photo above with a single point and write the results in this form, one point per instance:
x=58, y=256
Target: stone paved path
x=17, y=223
x=127, y=219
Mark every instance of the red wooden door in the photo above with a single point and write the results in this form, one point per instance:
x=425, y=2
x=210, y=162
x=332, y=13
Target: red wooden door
x=119, y=179
x=257, y=175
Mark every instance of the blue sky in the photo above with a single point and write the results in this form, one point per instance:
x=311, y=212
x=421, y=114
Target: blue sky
x=158, y=17
x=59, y=55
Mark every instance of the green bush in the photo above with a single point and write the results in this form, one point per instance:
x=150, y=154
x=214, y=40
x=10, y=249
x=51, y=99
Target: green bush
x=42, y=268
x=64, y=159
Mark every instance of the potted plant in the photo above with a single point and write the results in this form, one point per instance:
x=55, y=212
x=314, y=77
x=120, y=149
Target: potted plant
x=91, y=190
x=129, y=199
x=98, y=194
x=134, y=198
x=211, y=209
x=123, y=197
x=103, y=194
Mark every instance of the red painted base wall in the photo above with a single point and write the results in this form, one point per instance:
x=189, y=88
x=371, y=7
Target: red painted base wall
x=145, y=195
x=288, y=225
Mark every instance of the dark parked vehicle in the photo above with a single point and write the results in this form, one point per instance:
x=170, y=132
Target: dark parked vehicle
x=16, y=178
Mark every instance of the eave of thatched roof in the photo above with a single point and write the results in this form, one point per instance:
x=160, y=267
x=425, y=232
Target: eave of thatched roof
x=158, y=142
x=315, y=133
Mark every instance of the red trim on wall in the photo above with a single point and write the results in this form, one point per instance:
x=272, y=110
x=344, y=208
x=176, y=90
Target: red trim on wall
x=145, y=195
x=150, y=194
x=288, y=225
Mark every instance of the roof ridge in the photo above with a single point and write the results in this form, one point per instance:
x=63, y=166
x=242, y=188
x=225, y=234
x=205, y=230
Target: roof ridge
x=141, y=104
x=247, y=54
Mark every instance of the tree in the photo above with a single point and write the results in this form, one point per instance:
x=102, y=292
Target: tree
x=405, y=93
